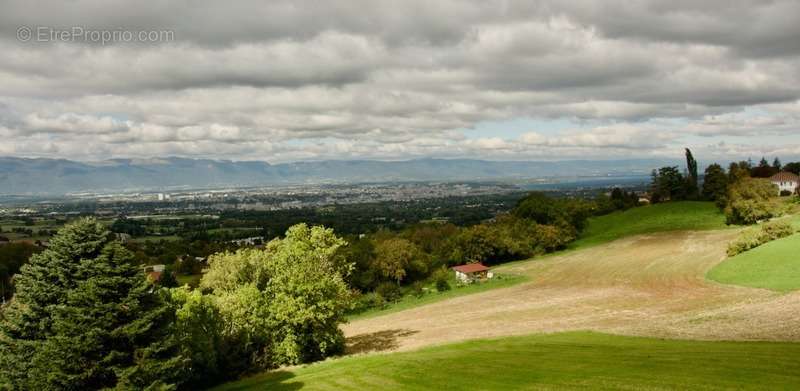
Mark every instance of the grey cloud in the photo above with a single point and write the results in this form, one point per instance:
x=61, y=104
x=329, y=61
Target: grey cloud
x=306, y=80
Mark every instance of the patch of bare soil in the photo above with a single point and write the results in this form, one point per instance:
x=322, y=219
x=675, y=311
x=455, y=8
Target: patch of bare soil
x=649, y=285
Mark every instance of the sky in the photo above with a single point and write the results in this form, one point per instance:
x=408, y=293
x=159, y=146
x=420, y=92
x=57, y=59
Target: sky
x=306, y=80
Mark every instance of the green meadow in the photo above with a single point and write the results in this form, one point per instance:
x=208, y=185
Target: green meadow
x=575, y=360
x=774, y=265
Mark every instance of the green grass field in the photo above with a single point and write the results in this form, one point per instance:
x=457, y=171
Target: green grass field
x=670, y=216
x=774, y=265
x=576, y=360
x=410, y=301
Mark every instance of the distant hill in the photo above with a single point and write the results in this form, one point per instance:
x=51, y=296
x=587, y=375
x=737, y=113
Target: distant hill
x=58, y=176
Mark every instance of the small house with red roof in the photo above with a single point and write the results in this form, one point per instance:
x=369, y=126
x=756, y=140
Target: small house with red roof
x=472, y=272
x=786, y=182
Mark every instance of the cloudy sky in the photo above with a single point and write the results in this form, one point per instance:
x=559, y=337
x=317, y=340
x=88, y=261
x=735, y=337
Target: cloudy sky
x=286, y=81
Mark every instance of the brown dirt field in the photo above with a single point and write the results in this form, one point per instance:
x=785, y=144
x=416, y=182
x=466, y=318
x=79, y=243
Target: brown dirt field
x=648, y=285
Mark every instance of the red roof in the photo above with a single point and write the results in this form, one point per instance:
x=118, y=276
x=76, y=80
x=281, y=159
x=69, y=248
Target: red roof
x=471, y=268
x=784, y=177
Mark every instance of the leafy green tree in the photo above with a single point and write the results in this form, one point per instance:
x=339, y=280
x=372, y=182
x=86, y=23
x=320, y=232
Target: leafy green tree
x=284, y=303
x=361, y=253
x=793, y=167
x=84, y=317
x=737, y=171
x=397, y=257
x=715, y=185
x=199, y=330
x=542, y=209
x=751, y=200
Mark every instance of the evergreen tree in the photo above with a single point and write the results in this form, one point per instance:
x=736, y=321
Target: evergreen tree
x=763, y=170
x=668, y=184
x=691, y=176
x=84, y=317
x=776, y=165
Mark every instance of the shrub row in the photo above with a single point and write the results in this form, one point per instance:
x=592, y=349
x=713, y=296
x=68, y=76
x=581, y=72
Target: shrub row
x=753, y=238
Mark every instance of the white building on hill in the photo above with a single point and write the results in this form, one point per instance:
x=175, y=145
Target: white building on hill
x=786, y=181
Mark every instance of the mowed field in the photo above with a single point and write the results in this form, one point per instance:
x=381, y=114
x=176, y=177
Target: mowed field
x=774, y=265
x=670, y=326
x=575, y=360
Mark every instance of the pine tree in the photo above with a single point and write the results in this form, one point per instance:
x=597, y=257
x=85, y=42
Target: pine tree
x=84, y=317
x=776, y=165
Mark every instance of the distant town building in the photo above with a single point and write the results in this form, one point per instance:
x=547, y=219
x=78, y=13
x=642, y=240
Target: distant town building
x=786, y=181
x=154, y=272
x=154, y=268
x=252, y=241
x=472, y=272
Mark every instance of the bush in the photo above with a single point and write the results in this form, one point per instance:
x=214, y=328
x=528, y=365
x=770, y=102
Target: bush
x=442, y=285
x=369, y=301
x=418, y=289
x=388, y=291
x=441, y=281
x=755, y=237
x=785, y=193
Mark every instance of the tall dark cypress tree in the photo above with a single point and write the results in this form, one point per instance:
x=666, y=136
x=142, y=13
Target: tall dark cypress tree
x=84, y=317
x=692, y=190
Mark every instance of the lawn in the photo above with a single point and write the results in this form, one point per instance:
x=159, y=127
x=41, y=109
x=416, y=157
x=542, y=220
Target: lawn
x=193, y=280
x=774, y=265
x=411, y=301
x=575, y=360
x=670, y=216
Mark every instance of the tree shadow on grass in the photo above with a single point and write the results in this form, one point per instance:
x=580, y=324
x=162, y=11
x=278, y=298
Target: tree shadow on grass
x=377, y=341
x=272, y=380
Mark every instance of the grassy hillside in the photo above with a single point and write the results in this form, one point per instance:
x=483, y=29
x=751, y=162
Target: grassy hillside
x=670, y=216
x=676, y=216
x=555, y=361
x=774, y=265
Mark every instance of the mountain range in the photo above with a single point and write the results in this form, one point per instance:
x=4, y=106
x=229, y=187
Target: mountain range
x=41, y=176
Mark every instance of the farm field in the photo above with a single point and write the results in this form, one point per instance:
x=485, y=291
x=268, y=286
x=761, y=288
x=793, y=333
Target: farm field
x=774, y=265
x=657, y=218
x=552, y=361
x=646, y=285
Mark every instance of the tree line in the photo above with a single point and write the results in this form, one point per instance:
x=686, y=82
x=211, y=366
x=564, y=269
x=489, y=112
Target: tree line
x=84, y=317
x=743, y=192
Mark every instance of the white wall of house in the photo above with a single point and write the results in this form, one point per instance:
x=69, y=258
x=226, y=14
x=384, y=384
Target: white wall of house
x=790, y=186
